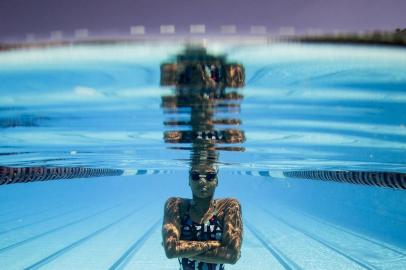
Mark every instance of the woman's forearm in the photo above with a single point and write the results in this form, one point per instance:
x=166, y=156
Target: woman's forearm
x=219, y=255
x=187, y=249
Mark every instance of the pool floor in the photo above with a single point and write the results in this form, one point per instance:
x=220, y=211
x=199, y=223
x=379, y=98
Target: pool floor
x=115, y=223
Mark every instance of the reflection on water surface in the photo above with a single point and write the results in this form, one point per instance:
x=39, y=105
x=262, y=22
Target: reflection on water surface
x=312, y=147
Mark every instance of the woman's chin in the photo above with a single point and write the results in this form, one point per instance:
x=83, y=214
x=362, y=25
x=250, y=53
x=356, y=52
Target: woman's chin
x=203, y=194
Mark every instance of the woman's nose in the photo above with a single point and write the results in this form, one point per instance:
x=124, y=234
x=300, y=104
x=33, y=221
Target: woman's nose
x=202, y=179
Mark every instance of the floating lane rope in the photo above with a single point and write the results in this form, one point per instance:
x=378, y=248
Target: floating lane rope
x=394, y=180
x=380, y=179
x=13, y=175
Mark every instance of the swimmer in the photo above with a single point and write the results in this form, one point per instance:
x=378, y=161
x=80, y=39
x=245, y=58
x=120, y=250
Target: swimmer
x=203, y=233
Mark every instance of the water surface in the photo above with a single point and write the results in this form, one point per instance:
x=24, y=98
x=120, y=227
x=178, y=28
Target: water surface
x=304, y=108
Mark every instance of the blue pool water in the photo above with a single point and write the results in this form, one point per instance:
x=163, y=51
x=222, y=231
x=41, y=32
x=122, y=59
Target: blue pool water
x=304, y=108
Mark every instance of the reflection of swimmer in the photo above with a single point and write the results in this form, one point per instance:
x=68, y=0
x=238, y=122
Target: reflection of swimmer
x=203, y=233
x=213, y=136
x=214, y=73
x=212, y=99
x=195, y=68
x=194, y=75
x=209, y=122
x=235, y=76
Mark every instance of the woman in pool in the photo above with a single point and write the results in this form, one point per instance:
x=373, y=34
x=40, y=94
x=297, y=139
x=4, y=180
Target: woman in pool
x=203, y=233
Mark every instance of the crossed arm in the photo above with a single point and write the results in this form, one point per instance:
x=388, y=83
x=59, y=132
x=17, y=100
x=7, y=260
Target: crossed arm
x=226, y=251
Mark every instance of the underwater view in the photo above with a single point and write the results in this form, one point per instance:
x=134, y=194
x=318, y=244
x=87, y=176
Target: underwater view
x=112, y=154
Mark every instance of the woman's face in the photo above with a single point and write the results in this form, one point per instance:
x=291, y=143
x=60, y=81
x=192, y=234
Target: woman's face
x=203, y=183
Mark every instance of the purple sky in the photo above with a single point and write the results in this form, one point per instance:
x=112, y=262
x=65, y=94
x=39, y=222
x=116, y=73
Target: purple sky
x=20, y=17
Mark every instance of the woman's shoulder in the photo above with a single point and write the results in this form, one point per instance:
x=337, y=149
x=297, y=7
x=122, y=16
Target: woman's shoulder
x=177, y=200
x=176, y=204
x=227, y=201
x=225, y=204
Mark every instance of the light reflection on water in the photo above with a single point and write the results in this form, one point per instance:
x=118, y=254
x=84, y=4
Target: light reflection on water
x=316, y=109
x=303, y=108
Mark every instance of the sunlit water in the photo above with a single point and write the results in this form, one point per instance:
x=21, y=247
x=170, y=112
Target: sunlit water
x=303, y=108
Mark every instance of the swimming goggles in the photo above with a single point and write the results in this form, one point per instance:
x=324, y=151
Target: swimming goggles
x=208, y=176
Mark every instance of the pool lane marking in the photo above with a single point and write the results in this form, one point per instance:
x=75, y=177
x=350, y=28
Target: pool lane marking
x=27, y=214
x=42, y=220
x=130, y=252
x=339, y=228
x=17, y=244
x=321, y=241
x=60, y=252
x=277, y=254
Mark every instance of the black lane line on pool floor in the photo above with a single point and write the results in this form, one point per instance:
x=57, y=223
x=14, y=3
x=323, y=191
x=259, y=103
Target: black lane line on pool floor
x=80, y=241
x=129, y=253
x=341, y=229
x=3, y=249
x=30, y=214
x=321, y=241
x=42, y=220
x=276, y=253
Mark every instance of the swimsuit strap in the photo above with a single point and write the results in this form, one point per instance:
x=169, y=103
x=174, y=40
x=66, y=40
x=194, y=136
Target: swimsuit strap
x=215, y=212
x=186, y=214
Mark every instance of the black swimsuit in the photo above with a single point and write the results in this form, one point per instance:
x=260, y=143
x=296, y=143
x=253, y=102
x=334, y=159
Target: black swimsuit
x=192, y=231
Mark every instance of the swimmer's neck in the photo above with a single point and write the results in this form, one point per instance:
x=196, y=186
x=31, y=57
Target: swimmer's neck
x=201, y=205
